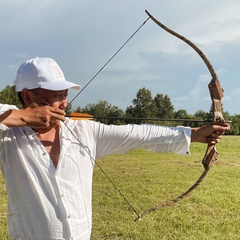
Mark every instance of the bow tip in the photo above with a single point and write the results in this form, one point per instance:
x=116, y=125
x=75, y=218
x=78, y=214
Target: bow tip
x=146, y=11
x=139, y=217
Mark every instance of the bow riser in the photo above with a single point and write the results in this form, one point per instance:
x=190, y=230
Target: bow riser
x=217, y=112
x=216, y=93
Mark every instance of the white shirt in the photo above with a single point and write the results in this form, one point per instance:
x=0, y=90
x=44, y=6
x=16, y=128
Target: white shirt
x=45, y=203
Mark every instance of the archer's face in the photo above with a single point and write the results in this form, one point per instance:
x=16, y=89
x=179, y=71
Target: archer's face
x=57, y=99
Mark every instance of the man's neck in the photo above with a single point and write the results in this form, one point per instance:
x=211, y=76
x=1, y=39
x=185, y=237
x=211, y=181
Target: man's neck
x=50, y=140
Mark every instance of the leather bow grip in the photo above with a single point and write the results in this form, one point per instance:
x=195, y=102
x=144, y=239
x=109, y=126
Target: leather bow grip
x=216, y=93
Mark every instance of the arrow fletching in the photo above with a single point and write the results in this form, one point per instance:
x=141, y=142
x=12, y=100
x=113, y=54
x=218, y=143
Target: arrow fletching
x=80, y=116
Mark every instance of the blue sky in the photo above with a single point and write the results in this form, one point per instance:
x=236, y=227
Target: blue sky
x=81, y=35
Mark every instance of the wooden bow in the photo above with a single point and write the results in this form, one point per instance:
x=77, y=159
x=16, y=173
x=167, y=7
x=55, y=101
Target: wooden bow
x=216, y=93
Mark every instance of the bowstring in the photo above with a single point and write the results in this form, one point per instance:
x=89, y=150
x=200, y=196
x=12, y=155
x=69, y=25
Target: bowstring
x=104, y=173
x=92, y=159
x=108, y=61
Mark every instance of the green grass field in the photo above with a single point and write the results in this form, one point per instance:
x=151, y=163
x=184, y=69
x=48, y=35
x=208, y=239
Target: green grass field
x=146, y=179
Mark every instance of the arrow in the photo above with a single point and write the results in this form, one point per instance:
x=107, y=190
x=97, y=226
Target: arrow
x=86, y=116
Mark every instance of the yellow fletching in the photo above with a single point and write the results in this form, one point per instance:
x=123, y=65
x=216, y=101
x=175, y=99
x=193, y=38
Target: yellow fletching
x=81, y=116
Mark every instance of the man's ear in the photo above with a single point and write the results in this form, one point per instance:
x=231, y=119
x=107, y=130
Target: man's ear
x=26, y=97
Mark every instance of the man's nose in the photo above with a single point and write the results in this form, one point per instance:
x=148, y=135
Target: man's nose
x=63, y=104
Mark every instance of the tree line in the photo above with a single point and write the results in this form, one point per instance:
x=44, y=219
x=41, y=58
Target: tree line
x=143, y=106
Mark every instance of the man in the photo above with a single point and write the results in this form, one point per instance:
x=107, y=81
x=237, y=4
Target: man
x=47, y=160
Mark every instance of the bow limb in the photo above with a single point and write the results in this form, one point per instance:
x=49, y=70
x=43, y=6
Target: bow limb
x=216, y=93
x=187, y=41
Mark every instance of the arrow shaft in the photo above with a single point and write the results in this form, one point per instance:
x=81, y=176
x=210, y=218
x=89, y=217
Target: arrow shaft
x=137, y=118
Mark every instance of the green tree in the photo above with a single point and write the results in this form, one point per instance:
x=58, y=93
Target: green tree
x=202, y=115
x=182, y=114
x=104, y=109
x=165, y=108
x=235, y=125
x=9, y=96
x=227, y=116
x=143, y=106
x=69, y=109
x=187, y=118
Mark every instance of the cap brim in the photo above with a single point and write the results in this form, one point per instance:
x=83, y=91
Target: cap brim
x=60, y=85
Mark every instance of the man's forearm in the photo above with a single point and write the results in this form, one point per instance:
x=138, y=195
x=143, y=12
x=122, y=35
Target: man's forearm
x=35, y=117
x=13, y=118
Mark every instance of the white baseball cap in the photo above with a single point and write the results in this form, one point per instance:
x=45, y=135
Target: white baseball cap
x=42, y=73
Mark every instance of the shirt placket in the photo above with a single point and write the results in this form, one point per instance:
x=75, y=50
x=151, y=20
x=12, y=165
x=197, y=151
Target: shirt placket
x=55, y=175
